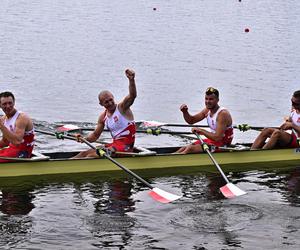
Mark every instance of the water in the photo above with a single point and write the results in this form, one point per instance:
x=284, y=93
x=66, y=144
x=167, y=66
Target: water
x=56, y=56
x=94, y=213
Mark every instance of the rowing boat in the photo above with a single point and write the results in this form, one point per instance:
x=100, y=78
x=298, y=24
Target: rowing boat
x=160, y=160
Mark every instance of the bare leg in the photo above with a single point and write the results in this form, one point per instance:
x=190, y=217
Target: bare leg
x=262, y=137
x=180, y=150
x=84, y=154
x=280, y=138
x=190, y=149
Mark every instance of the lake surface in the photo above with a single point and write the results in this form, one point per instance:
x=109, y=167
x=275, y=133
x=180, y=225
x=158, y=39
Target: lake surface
x=57, y=55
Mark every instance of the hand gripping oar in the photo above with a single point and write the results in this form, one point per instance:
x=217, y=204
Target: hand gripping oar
x=156, y=193
x=229, y=190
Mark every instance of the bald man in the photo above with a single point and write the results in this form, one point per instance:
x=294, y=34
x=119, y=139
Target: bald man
x=117, y=118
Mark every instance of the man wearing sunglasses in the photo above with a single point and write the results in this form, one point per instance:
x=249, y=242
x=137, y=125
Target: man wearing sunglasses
x=118, y=118
x=280, y=138
x=218, y=119
x=17, y=130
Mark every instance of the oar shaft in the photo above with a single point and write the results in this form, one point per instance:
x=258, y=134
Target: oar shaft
x=242, y=127
x=184, y=125
x=106, y=155
x=217, y=165
x=153, y=131
x=212, y=158
x=155, y=193
x=53, y=134
x=119, y=165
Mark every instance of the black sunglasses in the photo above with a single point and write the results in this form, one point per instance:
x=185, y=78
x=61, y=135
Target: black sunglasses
x=212, y=90
x=295, y=104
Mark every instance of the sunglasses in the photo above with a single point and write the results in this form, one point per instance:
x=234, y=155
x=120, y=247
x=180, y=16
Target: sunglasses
x=212, y=90
x=295, y=104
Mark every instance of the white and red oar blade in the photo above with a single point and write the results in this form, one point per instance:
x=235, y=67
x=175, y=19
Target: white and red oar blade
x=67, y=127
x=230, y=191
x=163, y=196
x=147, y=124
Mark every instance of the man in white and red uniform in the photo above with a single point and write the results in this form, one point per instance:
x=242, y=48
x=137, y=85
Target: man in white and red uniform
x=118, y=118
x=17, y=130
x=218, y=119
x=280, y=138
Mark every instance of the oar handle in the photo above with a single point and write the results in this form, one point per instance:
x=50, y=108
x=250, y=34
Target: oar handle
x=102, y=152
x=56, y=134
x=206, y=148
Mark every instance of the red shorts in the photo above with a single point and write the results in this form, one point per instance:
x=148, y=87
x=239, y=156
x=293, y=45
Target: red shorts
x=121, y=145
x=294, y=142
x=15, y=152
x=210, y=142
x=213, y=145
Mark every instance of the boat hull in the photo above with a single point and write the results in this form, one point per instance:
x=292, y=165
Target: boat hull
x=236, y=161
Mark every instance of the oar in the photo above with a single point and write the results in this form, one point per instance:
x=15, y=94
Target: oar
x=155, y=124
x=229, y=190
x=156, y=193
x=241, y=127
x=57, y=135
x=151, y=131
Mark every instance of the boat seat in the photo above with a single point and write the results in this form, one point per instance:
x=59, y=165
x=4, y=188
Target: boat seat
x=143, y=151
x=37, y=156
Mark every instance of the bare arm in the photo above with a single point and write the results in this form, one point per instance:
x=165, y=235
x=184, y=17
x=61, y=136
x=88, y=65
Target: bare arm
x=290, y=125
x=129, y=99
x=191, y=119
x=223, y=121
x=17, y=136
x=92, y=137
x=3, y=141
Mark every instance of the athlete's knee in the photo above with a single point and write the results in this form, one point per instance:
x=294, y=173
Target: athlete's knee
x=267, y=132
x=276, y=134
x=193, y=149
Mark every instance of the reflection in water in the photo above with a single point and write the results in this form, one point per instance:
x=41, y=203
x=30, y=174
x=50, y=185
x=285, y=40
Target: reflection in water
x=15, y=205
x=209, y=212
x=293, y=186
x=116, y=199
x=110, y=222
x=15, y=202
x=97, y=212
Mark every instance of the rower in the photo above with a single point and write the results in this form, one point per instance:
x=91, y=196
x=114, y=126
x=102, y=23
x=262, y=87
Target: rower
x=118, y=118
x=17, y=130
x=279, y=137
x=219, y=120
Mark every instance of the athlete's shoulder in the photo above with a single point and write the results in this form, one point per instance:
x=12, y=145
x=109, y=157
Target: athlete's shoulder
x=102, y=117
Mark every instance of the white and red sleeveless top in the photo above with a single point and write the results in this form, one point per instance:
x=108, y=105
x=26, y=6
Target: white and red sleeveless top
x=28, y=139
x=295, y=117
x=212, y=123
x=119, y=126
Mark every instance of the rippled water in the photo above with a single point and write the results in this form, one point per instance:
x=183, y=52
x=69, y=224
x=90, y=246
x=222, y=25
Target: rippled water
x=90, y=212
x=56, y=55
